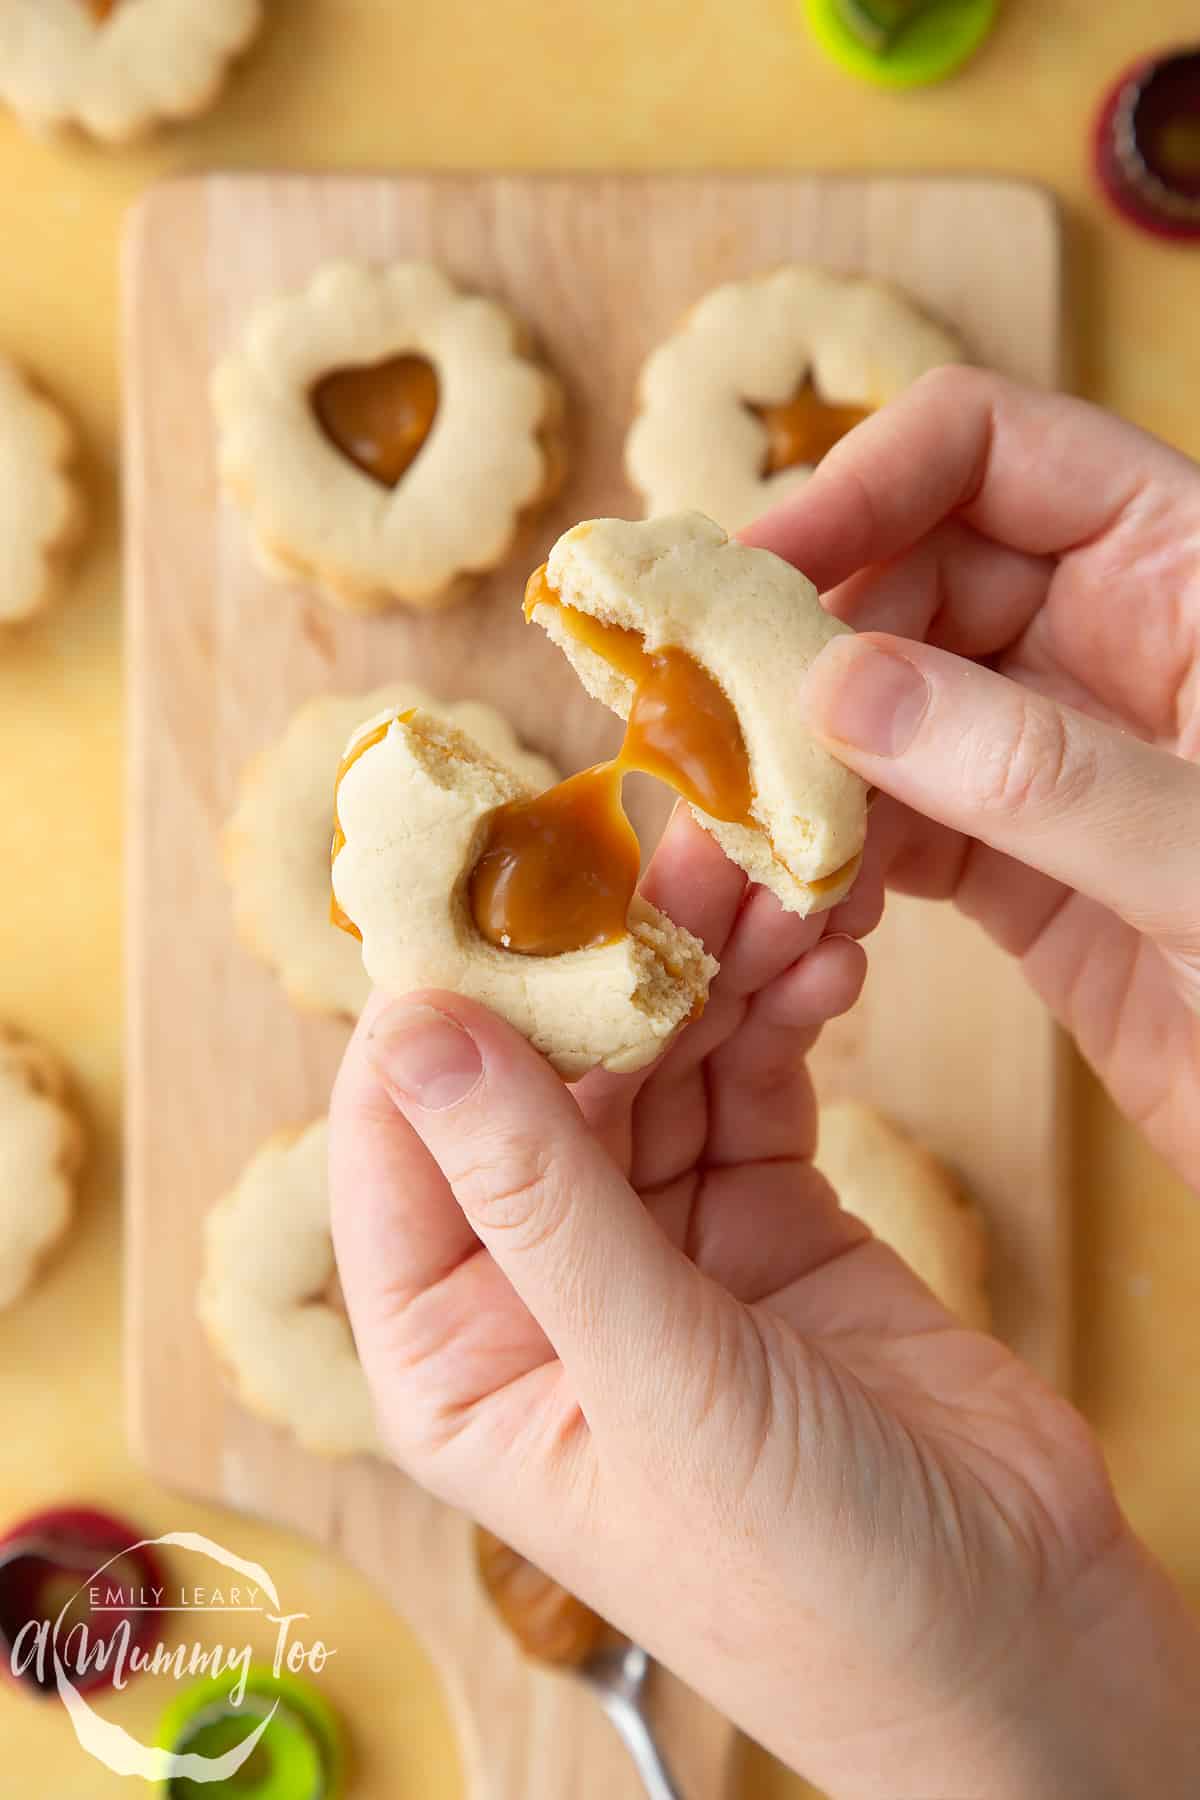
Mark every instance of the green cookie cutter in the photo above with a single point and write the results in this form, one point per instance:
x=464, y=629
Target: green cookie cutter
x=302, y=1755
x=884, y=48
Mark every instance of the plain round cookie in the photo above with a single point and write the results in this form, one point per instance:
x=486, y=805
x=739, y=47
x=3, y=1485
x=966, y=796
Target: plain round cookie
x=754, y=623
x=910, y=1201
x=696, y=442
x=115, y=77
x=277, y=841
x=41, y=507
x=413, y=808
x=41, y=1154
x=492, y=454
x=264, y=1299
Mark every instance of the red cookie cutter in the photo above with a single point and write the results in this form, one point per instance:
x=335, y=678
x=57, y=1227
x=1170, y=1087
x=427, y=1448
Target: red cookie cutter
x=47, y=1563
x=1146, y=144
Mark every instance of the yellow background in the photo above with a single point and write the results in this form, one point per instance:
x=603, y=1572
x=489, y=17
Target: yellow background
x=530, y=84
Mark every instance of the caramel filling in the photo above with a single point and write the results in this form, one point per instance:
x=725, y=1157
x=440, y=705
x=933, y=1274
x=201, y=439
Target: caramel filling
x=804, y=428
x=378, y=416
x=100, y=9
x=557, y=873
x=548, y=1622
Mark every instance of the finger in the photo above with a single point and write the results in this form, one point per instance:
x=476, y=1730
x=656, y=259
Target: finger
x=954, y=588
x=1093, y=807
x=1033, y=470
x=386, y=1187
x=436, y=1322
x=1010, y=900
x=691, y=879
x=740, y=1101
x=693, y=882
x=765, y=941
x=756, y=1232
x=761, y=1103
x=560, y=1221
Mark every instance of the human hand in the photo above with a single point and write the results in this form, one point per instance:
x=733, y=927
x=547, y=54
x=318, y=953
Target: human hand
x=1053, y=794
x=628, y=1327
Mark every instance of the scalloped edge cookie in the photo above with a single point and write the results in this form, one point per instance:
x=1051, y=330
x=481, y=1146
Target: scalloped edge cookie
x=413, y=808
x=42, y=1143
x=695, y=443
x=263, y=1299
x=149, y=62
x=493, y=455
x=276, y=844
x=42, y=509
x=755, y=624
x=911, y=1202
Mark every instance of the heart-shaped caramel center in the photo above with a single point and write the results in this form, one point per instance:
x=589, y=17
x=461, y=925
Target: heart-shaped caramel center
x=804, y=428
x=380, y=415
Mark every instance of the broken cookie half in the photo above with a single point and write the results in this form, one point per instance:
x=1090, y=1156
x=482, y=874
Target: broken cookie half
x=416, y=805
x=701, y=644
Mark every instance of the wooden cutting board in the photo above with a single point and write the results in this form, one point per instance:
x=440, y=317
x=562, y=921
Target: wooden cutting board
x=946, y=1038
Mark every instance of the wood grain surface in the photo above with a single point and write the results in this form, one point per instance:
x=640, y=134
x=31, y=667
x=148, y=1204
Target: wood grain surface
x=946, y=1037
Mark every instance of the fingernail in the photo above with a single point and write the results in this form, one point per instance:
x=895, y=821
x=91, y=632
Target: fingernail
x=424, y=1056
x=871, y=698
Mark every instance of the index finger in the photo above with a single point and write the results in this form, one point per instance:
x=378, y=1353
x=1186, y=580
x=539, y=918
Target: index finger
x=1035, y=471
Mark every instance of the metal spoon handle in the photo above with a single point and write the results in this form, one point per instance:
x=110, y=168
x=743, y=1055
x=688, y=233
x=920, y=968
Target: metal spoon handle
x=639, y=1740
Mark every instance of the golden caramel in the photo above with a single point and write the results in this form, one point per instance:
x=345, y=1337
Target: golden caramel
x=379, y=416
x=100, y=9
x=549, y=1623
x=683, y=730
x=804, y=428
x=557, y=873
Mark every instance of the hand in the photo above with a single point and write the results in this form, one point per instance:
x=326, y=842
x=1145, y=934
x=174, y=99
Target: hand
x=1051, y=794
x=629, y=1329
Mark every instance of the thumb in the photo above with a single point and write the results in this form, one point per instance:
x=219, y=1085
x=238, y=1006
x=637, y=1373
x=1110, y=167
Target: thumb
x=536, y=1187
x=1097, y=809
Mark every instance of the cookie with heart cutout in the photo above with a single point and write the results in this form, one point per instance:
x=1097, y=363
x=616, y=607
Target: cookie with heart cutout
x=386, y=434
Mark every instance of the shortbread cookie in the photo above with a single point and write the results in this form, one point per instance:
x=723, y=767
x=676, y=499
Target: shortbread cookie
x=385, y=433
x=41, y=1153
x=115, y=68
x=911, y=1202
x=762, y=378
x=277, y=842
x=270, y=1304
x=414, y=804
x=41, y=507
x=753, y=624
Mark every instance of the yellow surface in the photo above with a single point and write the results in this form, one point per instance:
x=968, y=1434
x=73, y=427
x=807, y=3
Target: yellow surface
x=544, y=83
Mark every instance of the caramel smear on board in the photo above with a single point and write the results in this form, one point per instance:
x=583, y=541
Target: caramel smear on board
x=549, y=1623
